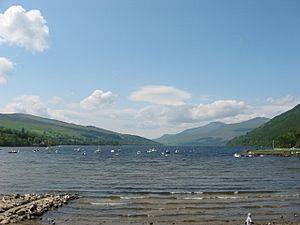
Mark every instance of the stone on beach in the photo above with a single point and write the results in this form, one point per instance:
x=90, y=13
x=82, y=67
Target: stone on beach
x=16, y=208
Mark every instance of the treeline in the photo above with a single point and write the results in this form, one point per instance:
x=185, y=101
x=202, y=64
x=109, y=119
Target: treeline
x=13, y=137
x=10, y=137
x=283, y=131
x=289, y=139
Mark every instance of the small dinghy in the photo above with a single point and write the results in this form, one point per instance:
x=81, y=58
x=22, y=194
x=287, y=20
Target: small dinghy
x=236, y=155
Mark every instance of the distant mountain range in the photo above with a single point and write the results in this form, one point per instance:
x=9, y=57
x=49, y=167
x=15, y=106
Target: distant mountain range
x=284, y=130
x=212, y=134
x=24, y=129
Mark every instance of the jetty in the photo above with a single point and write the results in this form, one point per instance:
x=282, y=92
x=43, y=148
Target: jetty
x=280, y=152
x=16, y=208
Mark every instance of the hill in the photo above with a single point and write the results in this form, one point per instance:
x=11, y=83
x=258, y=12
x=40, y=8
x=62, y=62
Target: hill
x=212, y=134
x=284, y=130
x=23, y=129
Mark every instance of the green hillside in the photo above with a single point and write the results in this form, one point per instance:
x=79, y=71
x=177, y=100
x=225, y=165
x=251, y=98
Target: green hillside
x=284, y=130
x=213, y=134
x=24, y=129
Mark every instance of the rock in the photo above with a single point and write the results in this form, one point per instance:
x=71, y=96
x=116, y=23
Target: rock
x=16, y=196
x=5, y=221
x=21, y=218
x=18, y=207
x=32, y=207
x=14, y=220
x=21, y=212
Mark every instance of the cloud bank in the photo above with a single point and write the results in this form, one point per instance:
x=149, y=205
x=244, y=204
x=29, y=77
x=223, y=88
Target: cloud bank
x=30, y=104
x=6, y=66
x=151, y=120
x=190, y=113
x=26, y=29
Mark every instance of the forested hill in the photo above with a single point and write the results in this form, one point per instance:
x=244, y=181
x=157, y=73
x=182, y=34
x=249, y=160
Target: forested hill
x=284, y=130
x=212, y=134
x=27, y=130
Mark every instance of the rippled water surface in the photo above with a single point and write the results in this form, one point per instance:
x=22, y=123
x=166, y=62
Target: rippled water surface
x=139, y=185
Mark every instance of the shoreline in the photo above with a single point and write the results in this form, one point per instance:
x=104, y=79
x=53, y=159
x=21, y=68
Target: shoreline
x=271, y=152
x=28, y=209
x=33, y=222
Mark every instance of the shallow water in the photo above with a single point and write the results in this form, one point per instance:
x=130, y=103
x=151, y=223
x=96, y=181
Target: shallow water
x=132, y=185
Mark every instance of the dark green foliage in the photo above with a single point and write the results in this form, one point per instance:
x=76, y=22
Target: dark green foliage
x=28, y=130
x=284, y=130
x=289, y=139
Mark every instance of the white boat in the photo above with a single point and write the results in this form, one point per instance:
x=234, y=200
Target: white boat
x=77, y=149
x=151, y=150
x=13, y=151
x=98, y=150
x=236, y=155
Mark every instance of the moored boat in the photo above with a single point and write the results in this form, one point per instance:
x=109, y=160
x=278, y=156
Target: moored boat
x=13, y=151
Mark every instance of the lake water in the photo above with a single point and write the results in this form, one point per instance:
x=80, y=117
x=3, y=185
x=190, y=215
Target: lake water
x=132, y=185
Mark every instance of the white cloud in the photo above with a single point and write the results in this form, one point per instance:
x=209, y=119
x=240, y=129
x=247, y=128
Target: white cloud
x=188, y=113
x=98, y=99
x=217, y=109
x=282, y=101
x=6, y=66
x=273, y=106
x=56, y=100
x=268, y=108
x=26, y=29
x=65, y=115
x=30, y=104
x=161, y=95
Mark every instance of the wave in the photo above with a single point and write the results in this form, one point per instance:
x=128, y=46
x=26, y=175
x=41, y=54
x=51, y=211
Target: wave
x=194, y=198
x=107, y=203
x=157, y=192
x=133, y=197
x=185, y=192
x=195, y=195
x=232, y=197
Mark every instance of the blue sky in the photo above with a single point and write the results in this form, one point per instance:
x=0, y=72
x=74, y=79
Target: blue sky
x=149, y=67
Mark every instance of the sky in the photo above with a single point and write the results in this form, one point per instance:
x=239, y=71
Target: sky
x=149, y=67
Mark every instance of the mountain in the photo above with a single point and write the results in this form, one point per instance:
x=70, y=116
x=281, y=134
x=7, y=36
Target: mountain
x=212, y=134
x=25, y=129
x=284, y=130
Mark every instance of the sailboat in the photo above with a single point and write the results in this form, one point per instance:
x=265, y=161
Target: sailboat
x=98, y=149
